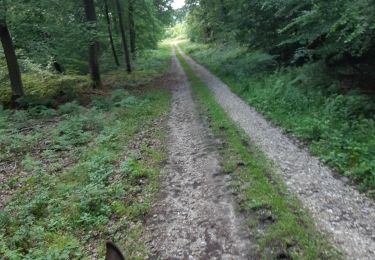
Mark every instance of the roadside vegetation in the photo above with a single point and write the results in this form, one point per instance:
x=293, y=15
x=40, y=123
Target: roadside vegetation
x=83, y=104
x=307, y=66
x=279, y=224
x=82, y=107
x=338, y=127
x=84, y=171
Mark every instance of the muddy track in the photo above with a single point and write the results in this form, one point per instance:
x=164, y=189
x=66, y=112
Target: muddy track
x=339, y=210
x=195, y=216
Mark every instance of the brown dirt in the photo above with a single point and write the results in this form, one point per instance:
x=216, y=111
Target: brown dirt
x=195, y=216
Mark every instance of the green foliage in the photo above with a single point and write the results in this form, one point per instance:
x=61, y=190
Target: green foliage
x=70, y=107
x=150, y=21
x=54, y=211
x=338, y=32
x=276, y=219
x=41, y=87
x=345, y=25
x=46, y=30
x=232, y=56
x=338, y=127
x=52, y=38
x=70, y=190
x=3, y=67
x=149, y=64
x=179, y=30
x=41, y=111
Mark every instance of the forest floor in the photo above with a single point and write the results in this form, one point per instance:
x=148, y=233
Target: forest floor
x=337, y=208
x=192, y=174
x=82, y=172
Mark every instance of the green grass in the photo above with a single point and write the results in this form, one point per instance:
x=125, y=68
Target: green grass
x=83, y=174
x=278, y=223
x=338, y=126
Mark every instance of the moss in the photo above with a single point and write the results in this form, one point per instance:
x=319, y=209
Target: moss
x=40, y=88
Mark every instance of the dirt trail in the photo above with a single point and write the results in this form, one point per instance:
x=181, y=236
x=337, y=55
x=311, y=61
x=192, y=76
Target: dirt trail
x=195, y=218
x=340, y=211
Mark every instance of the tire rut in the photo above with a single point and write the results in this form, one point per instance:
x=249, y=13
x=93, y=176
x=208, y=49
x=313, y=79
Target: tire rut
x=195, y=216
x=338, y=209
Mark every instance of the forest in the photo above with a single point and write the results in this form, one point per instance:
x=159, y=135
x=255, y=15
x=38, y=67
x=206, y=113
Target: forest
x=209, y=129
x=52, y=40
x=307, y=65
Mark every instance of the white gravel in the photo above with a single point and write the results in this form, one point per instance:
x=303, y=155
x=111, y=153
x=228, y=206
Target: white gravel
x=338, y=209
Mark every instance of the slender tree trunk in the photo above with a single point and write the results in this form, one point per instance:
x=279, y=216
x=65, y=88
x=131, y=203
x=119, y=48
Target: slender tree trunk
x=93, y=47
x=132, y=27
x=115, y=24
x=12, y=62
x=123, y=36
x=110, y=33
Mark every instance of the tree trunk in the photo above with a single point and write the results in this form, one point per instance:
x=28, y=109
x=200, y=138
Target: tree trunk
x=132, y=27
x=93, y=47
x=110, y=33
x=12, y=62
x=123, y=36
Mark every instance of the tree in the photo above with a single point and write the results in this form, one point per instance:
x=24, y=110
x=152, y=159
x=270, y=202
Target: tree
x=106, y=12
x=132, y=34
x=93, y=45
x=123, y=36
x=338, y=32
x=51, y=33
x=11, y=58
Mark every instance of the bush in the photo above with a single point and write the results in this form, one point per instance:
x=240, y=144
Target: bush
x=41, y=111
x=70, y=107
x=41, y=88
x=339, y=127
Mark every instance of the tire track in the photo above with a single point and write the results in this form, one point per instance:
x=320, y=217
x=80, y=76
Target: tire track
x=339, y=210
x=195, y=216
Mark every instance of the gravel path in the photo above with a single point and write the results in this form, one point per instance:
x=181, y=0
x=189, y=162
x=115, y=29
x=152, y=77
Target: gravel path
x=195, y=216
x=340, y=211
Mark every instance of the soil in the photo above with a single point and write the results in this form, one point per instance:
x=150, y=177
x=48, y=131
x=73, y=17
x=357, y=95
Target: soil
x=195, y=216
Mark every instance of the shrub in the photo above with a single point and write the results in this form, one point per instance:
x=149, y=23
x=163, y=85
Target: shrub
x=43, y=87
x=339, y=127
x=70, y=107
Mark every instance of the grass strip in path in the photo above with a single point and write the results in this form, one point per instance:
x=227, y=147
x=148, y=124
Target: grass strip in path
x=279, y=224
x=337, y=126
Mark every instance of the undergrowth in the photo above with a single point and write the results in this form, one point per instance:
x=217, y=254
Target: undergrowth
x=42, y=86
x=151, y=64
x=75, y=176
x=337, y=125
x=279, y=224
